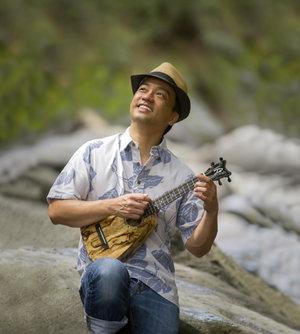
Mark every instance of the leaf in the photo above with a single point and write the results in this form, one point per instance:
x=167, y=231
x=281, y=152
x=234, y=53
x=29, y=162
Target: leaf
x=164, y=259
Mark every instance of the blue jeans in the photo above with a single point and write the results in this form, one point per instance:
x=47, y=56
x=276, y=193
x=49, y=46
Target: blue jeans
x=110, y=297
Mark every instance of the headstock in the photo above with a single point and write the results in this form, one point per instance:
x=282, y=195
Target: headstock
x=218, y=171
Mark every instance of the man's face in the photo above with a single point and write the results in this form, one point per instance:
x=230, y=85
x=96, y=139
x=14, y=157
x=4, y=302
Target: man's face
x=153, y=104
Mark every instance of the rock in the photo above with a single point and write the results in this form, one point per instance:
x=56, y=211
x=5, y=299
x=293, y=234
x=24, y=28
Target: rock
x=19, y=160
x=22, y=188
x=275, y=196
x=41, y=287
x=218, y=276
x=200, y=127
x=263, y=251
x=255, y=149
x=39, y=293
x=39, y=283
x=33, y=184
x=23, y=223
x=212, y=306
x=241, y=206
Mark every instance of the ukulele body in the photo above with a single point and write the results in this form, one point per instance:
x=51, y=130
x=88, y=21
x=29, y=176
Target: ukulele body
x=122, y=238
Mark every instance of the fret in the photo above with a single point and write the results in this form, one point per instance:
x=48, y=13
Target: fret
x=172, y=195
x=150, y=210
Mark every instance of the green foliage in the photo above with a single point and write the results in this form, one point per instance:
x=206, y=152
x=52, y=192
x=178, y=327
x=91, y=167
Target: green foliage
x=58, y=56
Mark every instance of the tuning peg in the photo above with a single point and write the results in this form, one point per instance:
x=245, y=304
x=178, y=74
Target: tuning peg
x=229, y=179
x=212, y=164
x=221, y=159
x=220, y=183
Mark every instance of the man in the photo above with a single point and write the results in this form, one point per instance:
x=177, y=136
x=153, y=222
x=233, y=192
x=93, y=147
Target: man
x=120, y=175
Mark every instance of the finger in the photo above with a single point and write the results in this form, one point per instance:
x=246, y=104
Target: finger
x=131, y=213
x=203, y=197
x=133, y=216
x=201, y=184
x=140, y=197
x=137, y=205
x=204, y=178
x=200, y=189
x=135, y=212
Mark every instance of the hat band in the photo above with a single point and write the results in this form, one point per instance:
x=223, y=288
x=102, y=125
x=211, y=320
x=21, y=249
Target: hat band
x=164, y=77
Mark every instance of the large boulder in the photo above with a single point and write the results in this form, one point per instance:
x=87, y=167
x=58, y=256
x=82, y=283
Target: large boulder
x=39, y=292
x=39, y=284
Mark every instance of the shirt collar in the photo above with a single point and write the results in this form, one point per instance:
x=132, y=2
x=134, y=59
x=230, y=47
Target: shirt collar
x=126, y=139
x=157, y=150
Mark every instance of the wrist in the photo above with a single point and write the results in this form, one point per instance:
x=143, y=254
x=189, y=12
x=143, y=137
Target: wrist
x=106, y=207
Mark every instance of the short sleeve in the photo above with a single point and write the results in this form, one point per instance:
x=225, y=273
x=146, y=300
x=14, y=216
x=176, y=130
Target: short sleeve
x=73, y=181
x=189, y=214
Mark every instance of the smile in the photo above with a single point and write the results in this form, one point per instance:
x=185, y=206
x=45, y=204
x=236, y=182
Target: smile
x=144, y=107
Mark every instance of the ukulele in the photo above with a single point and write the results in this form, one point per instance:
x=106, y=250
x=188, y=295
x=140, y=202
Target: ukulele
x=118, y=237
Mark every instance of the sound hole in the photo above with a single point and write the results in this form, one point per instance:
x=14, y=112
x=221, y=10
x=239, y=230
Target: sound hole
x=133, y=222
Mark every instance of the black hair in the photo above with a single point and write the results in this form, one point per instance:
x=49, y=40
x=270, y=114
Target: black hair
x=176, y=109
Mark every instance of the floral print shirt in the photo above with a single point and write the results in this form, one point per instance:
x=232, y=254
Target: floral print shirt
x=110, y=167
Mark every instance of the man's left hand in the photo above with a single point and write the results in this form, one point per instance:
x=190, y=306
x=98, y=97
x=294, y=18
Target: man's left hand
x=206, y=190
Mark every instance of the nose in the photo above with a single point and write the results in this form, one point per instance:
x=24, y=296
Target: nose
x=148, y=95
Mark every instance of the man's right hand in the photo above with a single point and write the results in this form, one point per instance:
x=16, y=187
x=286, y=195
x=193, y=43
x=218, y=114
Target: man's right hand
x=130, y=205
x=78, y=213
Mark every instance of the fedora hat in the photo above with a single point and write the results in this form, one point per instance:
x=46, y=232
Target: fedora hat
x=168, y=73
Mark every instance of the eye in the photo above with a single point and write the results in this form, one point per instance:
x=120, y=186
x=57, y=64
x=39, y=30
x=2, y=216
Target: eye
x=161, y=95
x=142, y=89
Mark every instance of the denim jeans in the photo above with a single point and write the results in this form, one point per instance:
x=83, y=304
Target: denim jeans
x=111, y=298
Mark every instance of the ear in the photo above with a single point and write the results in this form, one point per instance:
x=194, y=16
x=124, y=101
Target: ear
x=174, y=118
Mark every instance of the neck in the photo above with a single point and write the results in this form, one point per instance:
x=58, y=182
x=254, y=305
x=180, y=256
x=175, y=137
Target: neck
x=145, y=138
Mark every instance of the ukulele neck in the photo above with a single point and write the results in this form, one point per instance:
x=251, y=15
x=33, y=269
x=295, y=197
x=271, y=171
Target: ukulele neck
x=169, y=197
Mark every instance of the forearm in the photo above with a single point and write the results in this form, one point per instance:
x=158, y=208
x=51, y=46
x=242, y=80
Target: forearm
x=77, y=213
x=204, y=234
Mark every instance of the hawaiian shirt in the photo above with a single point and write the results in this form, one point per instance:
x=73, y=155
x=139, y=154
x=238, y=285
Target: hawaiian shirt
x=110, y=167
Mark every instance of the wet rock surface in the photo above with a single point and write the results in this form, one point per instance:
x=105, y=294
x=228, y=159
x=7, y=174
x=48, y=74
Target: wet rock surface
x=259, y=228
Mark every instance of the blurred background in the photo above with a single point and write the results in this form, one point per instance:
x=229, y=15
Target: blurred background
x=240, y=58
x=62, y=59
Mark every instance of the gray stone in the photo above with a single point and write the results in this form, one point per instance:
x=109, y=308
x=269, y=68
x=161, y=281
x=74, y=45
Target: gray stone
x=255, y=149
x=275, y=196
x=33, y=184
x=263, y=251
x=241, y=206
x=39, y=293
x=218, y=276
x=23, y=223
x=200, y=127
x=211, y=309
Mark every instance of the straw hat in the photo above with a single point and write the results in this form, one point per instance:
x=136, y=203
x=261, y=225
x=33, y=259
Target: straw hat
x=168, y=73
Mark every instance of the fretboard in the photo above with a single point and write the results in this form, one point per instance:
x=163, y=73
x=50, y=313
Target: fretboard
x=169, y=197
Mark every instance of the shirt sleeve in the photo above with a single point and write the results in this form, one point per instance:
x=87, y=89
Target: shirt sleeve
x=189, y=214
x=73, y=182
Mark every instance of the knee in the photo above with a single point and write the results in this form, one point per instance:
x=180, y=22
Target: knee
x=107, y=272
x=105, y=289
